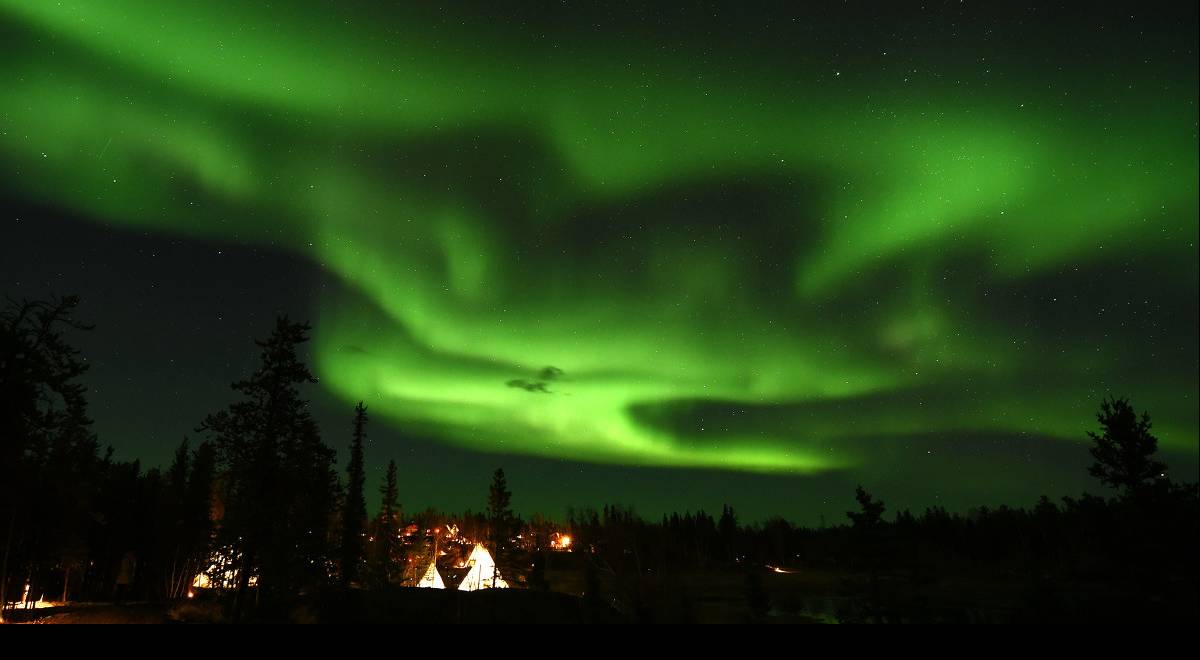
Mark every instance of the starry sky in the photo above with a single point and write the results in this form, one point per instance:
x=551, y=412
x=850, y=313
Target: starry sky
x=672, y=256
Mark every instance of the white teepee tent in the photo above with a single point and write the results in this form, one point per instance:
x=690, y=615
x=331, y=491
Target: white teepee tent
x=432, y=578
x=483, y=573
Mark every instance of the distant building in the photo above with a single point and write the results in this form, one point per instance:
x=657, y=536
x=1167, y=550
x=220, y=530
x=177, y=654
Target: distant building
x=560, y=542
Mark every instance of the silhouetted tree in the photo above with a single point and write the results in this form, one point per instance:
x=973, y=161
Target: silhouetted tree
x=179, y=544
x=870, y=513
x=278, y=475
x=177, y=474
x=1124, y=449
x=354, y=507
x=45, y=438
x=387, y=529
x=198, y=523
x=500, y=514
x=727, y=527
x=501, y=522
x=174, y=520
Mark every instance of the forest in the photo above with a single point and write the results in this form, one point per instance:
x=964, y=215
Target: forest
x=262, y=516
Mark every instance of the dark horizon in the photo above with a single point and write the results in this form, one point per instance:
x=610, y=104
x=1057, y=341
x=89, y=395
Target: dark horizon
x=549, y=486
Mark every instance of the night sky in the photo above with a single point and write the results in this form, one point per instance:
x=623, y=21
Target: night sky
x=670, y=257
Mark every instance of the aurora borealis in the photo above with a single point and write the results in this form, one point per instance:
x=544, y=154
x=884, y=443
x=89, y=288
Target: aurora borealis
x=747, y=244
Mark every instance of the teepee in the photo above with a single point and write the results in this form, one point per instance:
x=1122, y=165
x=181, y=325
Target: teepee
x=432, y=578
x=482, y=573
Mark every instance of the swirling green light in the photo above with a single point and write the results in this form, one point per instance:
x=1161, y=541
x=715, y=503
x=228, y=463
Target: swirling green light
x=499, y=211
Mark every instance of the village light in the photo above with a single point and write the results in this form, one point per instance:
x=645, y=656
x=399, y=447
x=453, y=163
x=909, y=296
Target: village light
x=483, y=573
x=560, y=542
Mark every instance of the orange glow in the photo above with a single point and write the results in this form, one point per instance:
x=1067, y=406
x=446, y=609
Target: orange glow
x=560, y=542
x=40, y=603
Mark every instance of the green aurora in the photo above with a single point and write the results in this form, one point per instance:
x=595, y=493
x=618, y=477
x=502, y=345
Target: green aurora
x=754, y=258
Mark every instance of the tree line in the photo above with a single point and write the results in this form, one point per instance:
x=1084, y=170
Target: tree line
x=255, y=503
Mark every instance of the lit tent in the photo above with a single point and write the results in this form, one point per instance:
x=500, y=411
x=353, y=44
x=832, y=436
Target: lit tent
x=483, y=573
x=432, y=578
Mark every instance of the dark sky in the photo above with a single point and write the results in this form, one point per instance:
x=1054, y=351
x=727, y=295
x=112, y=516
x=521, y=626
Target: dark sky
x=667, y=256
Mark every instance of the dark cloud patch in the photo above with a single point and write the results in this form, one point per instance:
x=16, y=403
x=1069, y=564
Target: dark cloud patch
x=540, y=384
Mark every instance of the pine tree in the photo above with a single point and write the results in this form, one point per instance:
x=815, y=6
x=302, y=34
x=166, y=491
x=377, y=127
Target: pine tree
x=177, y=474
x=1124, y=450
x=727, y=528
x=175, y=521
x=198, y=525
x=277, y=475
x=499, y=514
x=45, y=438
x=870, y=513
x=387, y=528
x=354, y=509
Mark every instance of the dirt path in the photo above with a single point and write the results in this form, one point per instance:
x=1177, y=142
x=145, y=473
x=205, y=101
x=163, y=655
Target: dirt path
x=94, y=613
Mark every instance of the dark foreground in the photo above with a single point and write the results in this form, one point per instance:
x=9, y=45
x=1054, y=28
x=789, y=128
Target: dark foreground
x=713, y=596
x=401, y=605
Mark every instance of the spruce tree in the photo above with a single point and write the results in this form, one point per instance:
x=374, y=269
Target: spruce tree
x=727, y=528
x=354, y=508
x=198, y=525
x=870, y=513
x=499, y=512
x=387, y=529
x=278, y=478
x=48, y=452
x=1124, y=449
x=175, y=521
